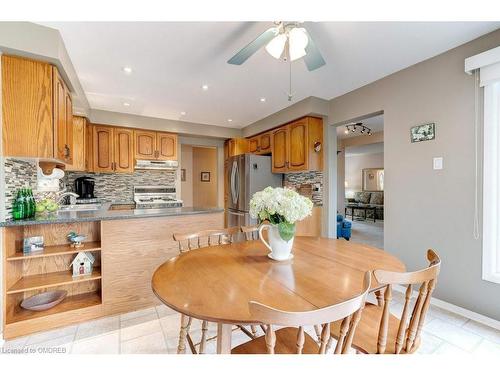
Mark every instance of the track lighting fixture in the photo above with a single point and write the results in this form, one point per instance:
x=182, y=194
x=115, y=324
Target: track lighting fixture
x=355, y=126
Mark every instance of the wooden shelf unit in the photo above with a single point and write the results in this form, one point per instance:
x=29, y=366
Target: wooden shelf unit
x=78, y=301
x=54, y=250
x=50, y=269
x=50, y=280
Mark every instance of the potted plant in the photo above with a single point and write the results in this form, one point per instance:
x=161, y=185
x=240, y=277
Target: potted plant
x=282, y=208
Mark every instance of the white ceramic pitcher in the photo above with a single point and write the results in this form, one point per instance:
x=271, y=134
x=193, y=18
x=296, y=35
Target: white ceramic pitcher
x=280, y=249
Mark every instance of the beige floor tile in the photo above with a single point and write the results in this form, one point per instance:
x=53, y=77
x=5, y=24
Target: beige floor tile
x=487, y=347
x=18, y=343
x=429, y=343
x=487, y=332
x=98, y=327
x=450, y=349
x=103, y=344
x=447, y=316
x=138, y=313
x=149, y=344
x=52, y=334
x=457, y=336
x=139, y=326
x=163, y=310
x=172, y=344
x=171, y=325
x=58, y=345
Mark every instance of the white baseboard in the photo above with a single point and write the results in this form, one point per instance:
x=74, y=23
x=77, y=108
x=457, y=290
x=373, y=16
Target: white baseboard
x=457, y=310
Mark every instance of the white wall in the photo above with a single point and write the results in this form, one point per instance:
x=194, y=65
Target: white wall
x=354, y=164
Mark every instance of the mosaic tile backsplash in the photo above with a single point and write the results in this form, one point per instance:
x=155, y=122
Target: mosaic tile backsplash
x=118, y=187
x=18, y=174
x=294, y=180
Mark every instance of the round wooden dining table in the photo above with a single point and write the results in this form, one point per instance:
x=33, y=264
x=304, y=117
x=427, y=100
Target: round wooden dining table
x=216, y=283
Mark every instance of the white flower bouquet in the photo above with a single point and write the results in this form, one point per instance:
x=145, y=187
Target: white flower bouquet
x=282, y=207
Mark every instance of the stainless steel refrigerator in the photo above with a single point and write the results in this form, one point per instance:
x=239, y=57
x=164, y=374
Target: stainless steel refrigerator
x=247, y=174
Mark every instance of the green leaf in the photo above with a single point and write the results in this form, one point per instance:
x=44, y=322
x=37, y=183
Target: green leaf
x=287, y=230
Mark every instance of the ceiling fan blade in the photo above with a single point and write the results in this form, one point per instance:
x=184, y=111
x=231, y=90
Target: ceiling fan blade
x=253, y=46
x=313, y=58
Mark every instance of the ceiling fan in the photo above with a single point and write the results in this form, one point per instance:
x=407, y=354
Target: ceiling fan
x=287, y=41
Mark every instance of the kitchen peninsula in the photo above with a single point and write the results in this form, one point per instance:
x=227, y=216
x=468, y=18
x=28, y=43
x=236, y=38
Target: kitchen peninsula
x=128, y=245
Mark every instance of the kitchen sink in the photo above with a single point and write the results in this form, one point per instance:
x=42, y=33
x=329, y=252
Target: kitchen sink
x=81, y=207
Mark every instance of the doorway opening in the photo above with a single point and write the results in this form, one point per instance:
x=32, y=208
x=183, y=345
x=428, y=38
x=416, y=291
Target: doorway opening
x=360, y=176
x=199, y=176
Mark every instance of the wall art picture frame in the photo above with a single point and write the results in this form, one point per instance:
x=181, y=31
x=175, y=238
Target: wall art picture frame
x=183, y=175
x=205, y=176
x=422, y=133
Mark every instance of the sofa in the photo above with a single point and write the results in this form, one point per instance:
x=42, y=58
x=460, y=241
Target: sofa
x=373, y=199
x=343, y=228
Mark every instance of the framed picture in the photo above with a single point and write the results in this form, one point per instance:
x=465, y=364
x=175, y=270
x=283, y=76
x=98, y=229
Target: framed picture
x=425, y=132
x=205, y=176
x=183, y=175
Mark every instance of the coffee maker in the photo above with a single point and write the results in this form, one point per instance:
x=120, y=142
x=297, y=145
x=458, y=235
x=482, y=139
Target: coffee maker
x=84, y=187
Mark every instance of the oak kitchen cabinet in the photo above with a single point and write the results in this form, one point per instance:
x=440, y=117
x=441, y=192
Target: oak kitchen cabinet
x=152, y=145
x=298, y=146
x=80, y=145
x=37, y=110
x=260, y=144
x=235, y=146
x=112, y=149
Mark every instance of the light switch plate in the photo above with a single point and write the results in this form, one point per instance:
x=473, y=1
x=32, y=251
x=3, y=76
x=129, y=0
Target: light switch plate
x=437, y=163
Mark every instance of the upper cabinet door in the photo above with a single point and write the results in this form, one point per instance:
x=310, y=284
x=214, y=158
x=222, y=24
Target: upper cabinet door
x=166, y=144
x=68, y=110
x=298, y=156
x=123, y=150
x=89, y=148
x=61, y=148
x=145, y=144
x=79, y=132
x=253, y=145
x=103, y=148
x=280, y=150
x=265, y=143
x=27, y=95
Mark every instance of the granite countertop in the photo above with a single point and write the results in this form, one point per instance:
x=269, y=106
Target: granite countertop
x=106, y=214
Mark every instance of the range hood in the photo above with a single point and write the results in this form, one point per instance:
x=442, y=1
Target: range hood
x=157, y=164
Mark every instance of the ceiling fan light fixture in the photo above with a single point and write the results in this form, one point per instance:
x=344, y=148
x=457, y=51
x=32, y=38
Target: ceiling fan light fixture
x=276, y=46
x=297, y=42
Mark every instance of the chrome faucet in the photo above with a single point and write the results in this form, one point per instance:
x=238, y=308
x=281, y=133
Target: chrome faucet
x=72, y=197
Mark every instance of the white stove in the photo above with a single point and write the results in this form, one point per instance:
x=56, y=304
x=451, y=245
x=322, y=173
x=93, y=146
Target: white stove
x=156, y=197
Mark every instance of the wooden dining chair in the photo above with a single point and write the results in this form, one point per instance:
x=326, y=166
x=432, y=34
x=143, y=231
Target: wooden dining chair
x=381, y=332
x=193, y=241
x=292, y=340
x=251, y=232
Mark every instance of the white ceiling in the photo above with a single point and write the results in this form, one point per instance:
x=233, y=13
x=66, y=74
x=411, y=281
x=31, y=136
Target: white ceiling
x=172, y=60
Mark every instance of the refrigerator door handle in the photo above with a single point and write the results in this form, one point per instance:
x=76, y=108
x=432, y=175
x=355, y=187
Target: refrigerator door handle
x=234, y=182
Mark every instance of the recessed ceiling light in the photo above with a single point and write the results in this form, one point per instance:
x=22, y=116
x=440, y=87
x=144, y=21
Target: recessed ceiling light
x=126, y=104
x=204, y=87
x=262, y=100
x=183, y=113
x=229, y=120
x=127, y=69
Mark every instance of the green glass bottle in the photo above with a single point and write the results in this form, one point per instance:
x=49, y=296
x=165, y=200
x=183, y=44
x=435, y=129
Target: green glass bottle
x=26, y=203
x=18, y=206
x=32, y=203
